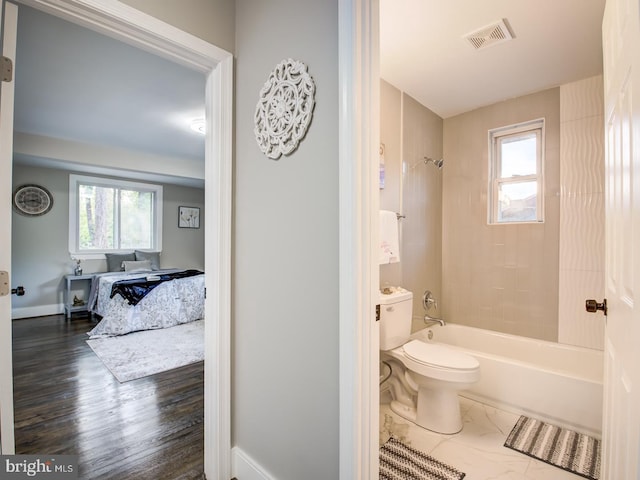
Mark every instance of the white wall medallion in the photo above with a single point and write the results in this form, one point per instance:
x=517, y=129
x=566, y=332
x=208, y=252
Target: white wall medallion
x=285, y=108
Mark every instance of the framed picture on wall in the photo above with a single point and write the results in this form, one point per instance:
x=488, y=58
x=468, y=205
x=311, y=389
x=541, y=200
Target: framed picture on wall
x=188, y=217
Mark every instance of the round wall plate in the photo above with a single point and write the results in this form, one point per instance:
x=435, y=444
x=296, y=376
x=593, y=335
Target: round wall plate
x=285, y=108
x=32, y=200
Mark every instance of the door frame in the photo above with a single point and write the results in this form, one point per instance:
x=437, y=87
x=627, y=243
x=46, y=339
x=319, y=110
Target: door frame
x=9, y=19
x=139, y=29
x=359, y=127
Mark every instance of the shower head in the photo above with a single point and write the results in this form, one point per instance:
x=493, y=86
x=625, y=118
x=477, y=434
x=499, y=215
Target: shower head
x=437, y=163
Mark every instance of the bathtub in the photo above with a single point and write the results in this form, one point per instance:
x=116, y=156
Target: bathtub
x=560, y=384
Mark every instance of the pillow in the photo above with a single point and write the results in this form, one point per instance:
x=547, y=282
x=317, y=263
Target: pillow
x=114, y=260
x=136, y=265
x=153, y=257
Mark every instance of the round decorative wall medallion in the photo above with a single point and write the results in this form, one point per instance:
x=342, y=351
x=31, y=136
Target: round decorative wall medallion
x=285, y=108
x=32, y=200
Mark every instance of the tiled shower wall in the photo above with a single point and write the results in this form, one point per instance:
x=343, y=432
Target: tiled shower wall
x=409, y=132
x=581, y=211
x=391, y=193
x=499, y=277
x=528, y=280
x=422, y=205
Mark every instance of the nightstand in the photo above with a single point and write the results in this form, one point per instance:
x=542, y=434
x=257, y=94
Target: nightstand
x=71, y=286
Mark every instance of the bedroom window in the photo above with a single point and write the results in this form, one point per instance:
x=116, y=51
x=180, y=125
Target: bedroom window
x=515, y=173
x=107, y=215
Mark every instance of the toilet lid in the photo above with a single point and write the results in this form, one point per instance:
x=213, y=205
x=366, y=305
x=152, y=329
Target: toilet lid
x=439, y=356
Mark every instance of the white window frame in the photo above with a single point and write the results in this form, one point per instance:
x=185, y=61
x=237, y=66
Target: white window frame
x=536, y=126
x=74, y=237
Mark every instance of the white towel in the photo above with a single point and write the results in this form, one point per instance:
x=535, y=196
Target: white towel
x=389, y=238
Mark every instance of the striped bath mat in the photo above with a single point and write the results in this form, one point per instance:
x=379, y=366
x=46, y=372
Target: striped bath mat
x=566, y=449
x=401, y=462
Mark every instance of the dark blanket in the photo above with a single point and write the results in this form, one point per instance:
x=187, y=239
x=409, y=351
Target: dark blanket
x=136, y=289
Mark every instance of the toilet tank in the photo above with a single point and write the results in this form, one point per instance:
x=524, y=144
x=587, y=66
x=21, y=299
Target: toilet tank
x=396, y=309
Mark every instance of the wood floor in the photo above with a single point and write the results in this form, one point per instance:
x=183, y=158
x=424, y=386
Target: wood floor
x=67, y=402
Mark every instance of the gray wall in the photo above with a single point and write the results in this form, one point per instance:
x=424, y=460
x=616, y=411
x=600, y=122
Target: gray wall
x=285, y=264
x=211, y=20
x=40, y=245
x=285, y=267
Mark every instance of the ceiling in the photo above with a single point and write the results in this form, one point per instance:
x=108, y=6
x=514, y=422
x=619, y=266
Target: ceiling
x=74, y=84
x=424, y=53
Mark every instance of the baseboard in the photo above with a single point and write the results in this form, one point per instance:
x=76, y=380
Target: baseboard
x=39, y=311
x=244, y=467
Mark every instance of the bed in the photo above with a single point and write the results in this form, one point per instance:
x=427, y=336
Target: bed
x=176, y=298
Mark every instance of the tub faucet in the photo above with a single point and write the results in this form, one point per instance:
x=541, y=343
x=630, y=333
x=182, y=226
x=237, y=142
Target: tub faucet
x=427, y=303
x=432, y=321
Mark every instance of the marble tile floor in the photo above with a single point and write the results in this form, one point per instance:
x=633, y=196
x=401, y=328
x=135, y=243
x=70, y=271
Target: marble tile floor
x=478, y=450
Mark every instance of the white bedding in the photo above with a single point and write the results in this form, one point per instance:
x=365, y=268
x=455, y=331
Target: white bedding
x=170, y=303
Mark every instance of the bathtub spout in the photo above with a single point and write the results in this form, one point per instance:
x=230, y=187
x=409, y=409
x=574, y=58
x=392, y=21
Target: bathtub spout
x=429, y=321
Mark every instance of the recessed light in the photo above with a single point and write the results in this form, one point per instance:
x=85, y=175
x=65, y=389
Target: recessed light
x=199, y=126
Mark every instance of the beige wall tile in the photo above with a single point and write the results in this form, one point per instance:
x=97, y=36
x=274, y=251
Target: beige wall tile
x=502, y=254
x=510, y=278
x=578, y=326
x=581, y=274
x=581, y=99
x=582, y=167
x=391, y=137
x=410, y=132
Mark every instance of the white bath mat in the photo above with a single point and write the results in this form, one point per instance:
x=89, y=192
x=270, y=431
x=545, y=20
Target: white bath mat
x=560, y=447
x=401, y=462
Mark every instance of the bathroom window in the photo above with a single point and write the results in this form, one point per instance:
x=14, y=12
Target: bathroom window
x=516, y=157
x=108, y=215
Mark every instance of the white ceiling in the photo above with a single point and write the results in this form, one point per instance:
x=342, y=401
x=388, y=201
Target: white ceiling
x=423, y=51
x=75, y=84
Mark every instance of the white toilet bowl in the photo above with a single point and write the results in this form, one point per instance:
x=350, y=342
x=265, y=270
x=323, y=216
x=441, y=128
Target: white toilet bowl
x=426, y=377
x=437, y=373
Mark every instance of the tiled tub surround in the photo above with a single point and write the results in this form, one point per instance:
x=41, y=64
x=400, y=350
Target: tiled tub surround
x=559, y=384
x=499, y=277
x=581, y=267
x=410, y=132
x=526, y=279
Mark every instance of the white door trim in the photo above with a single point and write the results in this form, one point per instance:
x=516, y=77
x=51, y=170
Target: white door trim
x=7, y=439
x=144, y=31
x=359, y=204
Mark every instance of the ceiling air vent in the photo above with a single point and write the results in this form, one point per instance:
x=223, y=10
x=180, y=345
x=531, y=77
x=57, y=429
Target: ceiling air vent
x=493, y=34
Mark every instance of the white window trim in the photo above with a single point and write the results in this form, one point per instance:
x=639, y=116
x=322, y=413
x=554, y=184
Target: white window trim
x=75, y=180
x=494, y=181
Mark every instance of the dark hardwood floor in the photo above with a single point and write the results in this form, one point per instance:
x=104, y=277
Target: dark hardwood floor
x=68, y=403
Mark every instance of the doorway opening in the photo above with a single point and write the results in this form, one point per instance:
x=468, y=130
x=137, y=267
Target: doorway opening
x=133, y=27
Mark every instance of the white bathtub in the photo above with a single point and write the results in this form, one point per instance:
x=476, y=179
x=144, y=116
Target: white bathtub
x=560, y=384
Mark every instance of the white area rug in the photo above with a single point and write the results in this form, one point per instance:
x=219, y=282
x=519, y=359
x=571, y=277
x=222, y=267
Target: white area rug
x=140, y=354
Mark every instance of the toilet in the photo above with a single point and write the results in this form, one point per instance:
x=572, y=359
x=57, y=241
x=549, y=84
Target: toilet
x=426, y=377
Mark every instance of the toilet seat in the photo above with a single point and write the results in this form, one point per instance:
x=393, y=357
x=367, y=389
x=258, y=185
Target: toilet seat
x=439, y=356
x=438, y=362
